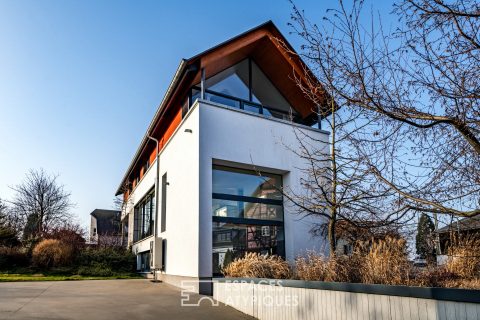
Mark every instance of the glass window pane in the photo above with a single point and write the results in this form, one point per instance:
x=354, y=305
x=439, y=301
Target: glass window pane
x=248, y=210
x=232, y=81
x=232, y=241
x=144, y=217
x=246, y=183
x=265, y=93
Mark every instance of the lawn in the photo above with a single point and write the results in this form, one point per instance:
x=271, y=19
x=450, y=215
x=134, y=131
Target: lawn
x=10, y=277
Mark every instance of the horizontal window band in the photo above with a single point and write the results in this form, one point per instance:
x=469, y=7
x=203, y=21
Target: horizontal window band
x=223, y=196
x=258, y=222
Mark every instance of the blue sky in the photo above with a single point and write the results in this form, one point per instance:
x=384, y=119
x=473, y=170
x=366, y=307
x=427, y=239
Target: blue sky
x=81, y=80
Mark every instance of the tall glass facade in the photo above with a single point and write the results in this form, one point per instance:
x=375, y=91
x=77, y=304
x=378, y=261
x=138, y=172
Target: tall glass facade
x=144, y=217
x=247, y=213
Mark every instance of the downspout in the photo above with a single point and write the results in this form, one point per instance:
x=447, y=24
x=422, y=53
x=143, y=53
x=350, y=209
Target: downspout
x=157, y=185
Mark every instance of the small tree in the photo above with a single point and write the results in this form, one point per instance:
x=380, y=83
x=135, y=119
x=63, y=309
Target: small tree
x=424, y=241
x=40, y=203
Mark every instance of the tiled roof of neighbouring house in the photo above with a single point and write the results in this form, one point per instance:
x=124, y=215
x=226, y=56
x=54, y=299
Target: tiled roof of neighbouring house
x=463, y=224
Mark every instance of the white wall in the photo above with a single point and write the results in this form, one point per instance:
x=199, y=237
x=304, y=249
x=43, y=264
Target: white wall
x=240, y=137
x=142, y=189
x=179, y=159
x=93, y=226
x=264, y=301
x=219, y=134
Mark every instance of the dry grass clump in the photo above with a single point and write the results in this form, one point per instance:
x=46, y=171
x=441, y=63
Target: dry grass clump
x=461, y=283
x=383, y=261
x=333, y=269
x=52, y=253
x=464, y=257
x=254, y=265
x=312, y=267
x=386, y=263
x=431, y=277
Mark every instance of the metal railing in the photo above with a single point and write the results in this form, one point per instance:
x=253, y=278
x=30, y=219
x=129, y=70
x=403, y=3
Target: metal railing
x=242, y=104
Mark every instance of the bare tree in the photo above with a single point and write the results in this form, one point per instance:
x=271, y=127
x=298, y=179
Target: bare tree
x=423, y=80
x=41, y=203
x=121, y=203
x=3, y=212
x=8, y=232
x=338, y=185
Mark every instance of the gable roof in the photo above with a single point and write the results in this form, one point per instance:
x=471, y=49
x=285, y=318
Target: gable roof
x=464, y=224
x=104, y=213
x=268, y=48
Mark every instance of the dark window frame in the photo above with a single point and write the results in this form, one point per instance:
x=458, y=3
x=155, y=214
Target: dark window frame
x=249, y=221
x=249, y=199
x=140, y=232
x=163, y=224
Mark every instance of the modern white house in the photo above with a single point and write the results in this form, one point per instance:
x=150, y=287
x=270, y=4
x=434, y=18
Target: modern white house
x=205, y=184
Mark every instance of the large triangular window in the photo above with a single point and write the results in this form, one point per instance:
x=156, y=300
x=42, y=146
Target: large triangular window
x=245, y=86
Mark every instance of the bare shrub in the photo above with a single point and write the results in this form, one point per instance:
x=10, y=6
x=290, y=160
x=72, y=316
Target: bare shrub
x=69, y=234
x=386, y=263
x=464, y=257
x=254, y=265
x=52, y=253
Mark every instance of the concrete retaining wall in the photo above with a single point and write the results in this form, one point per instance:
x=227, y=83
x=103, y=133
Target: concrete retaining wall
x=292, y=299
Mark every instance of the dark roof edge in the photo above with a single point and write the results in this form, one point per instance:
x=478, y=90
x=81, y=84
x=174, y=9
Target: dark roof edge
x=96, y=212
x=166, y=97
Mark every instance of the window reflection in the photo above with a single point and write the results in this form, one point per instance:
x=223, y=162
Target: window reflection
x=232, y=241
x=232, y=81
x=246, y=183
x=240, y=209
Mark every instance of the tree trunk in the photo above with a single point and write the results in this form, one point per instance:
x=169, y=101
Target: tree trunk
x=331, y=233
x=333, y=208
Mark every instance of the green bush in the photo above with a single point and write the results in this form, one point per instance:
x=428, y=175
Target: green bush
x=115, y=260
x=96, y=270
x=11, y=258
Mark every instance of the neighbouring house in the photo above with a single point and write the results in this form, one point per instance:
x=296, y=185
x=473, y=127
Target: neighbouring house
x=361, y=232
x=105, y=226
x=205, y=184
x=468, y=226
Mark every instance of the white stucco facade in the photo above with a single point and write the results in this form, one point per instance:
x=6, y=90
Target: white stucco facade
x=214, y=134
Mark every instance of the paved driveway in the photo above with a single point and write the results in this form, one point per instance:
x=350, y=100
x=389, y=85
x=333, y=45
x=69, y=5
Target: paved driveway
x=103, y=299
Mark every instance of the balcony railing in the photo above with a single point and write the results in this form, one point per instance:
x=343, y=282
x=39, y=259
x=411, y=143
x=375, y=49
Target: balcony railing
x=242, y=104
